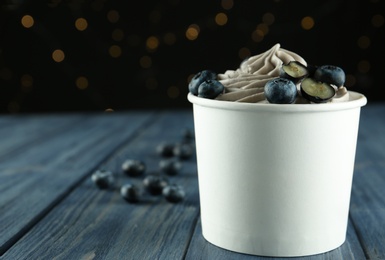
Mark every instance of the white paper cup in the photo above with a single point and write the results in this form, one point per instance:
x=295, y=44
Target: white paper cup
x=275, y=180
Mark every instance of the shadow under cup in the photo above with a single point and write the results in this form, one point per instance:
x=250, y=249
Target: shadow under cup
x=275, y=180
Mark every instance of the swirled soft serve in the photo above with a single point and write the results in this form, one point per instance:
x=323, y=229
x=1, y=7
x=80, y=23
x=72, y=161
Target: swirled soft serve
x=275, y=76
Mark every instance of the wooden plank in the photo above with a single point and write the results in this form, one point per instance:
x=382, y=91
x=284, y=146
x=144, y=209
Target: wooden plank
x=19, y=131
x=368, y=195
x=201, y=249
x=33, y=180
x=92, y=223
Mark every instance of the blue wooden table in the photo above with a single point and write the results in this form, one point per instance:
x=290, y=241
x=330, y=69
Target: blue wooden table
x=51, y=209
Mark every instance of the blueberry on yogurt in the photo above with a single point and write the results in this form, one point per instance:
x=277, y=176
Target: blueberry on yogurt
x=199, y=78
x=294, y=70
x=317, y=91
x=280, y=91
x=210, y=89
x=330, y=74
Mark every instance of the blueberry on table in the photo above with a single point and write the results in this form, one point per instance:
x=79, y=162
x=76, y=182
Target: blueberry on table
x=316, y=91
x=133, y=167
x=280, y=91
x=103, y=179
x=165, y=149
x=294, y=71
x=154, y=184
x=173, y=193
x=188, y=135
x=170, y=166
x=130, y=193
x=183, y=151
x=199, y=78
x=210, y=89
x=330, y=74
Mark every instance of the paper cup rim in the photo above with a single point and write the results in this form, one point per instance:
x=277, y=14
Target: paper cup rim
x=355, y=100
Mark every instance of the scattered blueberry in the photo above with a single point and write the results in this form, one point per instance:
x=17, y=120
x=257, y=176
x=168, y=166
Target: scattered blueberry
x=199, y=78
x=103, y=179
x=280, y=91
x=294, y=71
x=170, y=166
x=173, y=193
x=154, y=184
x=133, y=167
x=316, y=91
x=130, y=193
x=330, y=74
x=165, y=149
x=210, y=89
x=188, y=135
x=183, y=150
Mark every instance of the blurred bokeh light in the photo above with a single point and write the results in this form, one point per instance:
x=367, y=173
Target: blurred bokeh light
x=104, y=55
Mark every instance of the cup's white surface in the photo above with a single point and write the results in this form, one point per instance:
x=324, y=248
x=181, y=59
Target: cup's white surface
x=275, y=180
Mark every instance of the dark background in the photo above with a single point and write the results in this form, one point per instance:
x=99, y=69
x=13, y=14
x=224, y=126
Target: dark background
x=132, y=56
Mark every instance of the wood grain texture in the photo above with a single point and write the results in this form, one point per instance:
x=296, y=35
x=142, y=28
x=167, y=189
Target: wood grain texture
x=367, y=208
x=17, y=132
x=50, y=209
x=34, y=179
x=99, y=223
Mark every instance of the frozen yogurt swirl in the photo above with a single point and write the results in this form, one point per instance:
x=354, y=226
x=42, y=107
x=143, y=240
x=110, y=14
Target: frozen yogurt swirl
x=246, y=84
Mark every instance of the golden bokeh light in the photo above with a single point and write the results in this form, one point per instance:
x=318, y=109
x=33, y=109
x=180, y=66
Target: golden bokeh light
x=152, y=43
x=221, y=19
x=115, y=51
x=58, y=55
x=113, y=16
x=145, y=62
x=81, y=83
x=27, y=21
x=192, y=32
x=107, y=110
x=173, y=92
x=81, y=24
x=363, y=42
x=378, y=20
x=227, y=4
x=257, y=35
x=307, y=23
x=263, y=27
